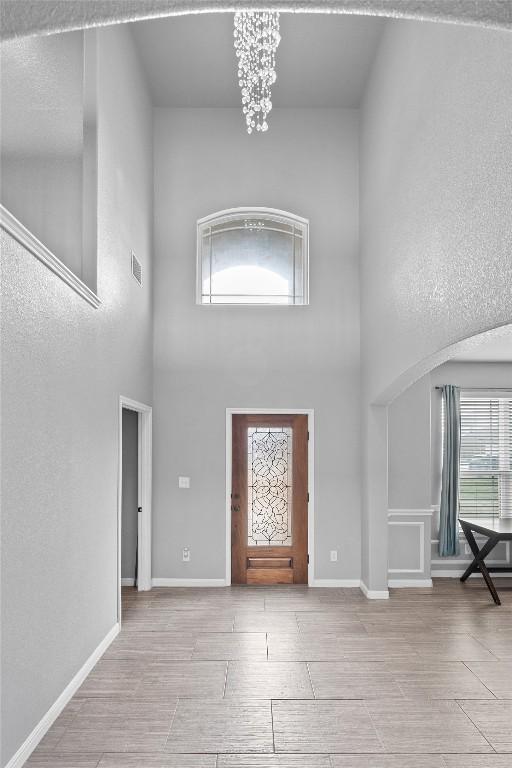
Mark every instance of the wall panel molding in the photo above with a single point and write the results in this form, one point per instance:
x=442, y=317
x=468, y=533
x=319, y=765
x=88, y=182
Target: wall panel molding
x=456, y=573
x=401, y=571
x=463, y=561
x=420, y=525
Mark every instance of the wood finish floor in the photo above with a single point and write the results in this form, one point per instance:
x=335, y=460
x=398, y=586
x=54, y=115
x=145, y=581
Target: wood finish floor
x=291, y=677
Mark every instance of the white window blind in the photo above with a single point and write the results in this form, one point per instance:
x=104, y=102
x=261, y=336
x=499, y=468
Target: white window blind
x=485, y=483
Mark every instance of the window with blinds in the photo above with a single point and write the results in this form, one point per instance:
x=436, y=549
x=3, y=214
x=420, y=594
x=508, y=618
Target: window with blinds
x=485, y=483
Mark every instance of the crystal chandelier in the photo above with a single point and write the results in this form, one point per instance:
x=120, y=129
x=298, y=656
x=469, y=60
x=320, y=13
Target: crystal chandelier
x=256, y=36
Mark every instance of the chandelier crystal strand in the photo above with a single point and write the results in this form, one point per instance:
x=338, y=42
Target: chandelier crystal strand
x=257, y=37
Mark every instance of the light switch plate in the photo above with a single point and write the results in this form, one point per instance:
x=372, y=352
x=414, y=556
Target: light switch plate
x=334, y=555
x=183, y=482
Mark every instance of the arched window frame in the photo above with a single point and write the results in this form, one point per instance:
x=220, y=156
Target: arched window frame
x=270, y=214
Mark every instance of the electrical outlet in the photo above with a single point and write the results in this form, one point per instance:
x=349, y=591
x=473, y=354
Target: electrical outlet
x=334, y=555
x=183, y=482
x=186, y=554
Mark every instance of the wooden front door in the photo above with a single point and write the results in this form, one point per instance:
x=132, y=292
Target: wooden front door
x=269, y=499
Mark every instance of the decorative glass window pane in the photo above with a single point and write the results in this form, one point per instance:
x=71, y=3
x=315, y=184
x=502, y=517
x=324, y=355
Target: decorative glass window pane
x=269, y=500
x=252, y=256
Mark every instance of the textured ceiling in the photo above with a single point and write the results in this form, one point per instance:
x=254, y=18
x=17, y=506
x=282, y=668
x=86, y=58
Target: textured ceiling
x=322, y=61
x=23, y=17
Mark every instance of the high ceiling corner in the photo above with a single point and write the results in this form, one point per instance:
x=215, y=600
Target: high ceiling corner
x=322, y=61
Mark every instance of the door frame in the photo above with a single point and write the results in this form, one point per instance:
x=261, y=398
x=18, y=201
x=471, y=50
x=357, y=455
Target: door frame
x=144, y=464
x=310, y=413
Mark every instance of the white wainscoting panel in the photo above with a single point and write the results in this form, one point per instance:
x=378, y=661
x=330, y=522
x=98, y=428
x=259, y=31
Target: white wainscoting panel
x=409, y=547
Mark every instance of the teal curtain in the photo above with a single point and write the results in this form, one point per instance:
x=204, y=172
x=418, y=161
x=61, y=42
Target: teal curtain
x=448, y=522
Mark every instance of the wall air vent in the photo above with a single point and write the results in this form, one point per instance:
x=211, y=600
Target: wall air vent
x=136, y=269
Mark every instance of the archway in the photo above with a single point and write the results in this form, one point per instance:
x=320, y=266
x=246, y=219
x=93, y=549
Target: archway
x=32, y=17
x=376, y=469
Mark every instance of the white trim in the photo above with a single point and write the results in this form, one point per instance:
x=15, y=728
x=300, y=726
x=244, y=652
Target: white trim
x=127, y=582
x=421, y=526
x=399, y=583
x=347, y=583
x=456, y=573
x=374, y=594
x=247, y=210
x=171, y=582
x=457, y=561
x=144, y=452
x=448, y=561
x=411, y=512
x=310, y=413
x=477, y=393
x=69, y=691
x=20, y=233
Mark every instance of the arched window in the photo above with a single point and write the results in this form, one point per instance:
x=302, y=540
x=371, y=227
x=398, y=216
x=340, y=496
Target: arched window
x=252, y=256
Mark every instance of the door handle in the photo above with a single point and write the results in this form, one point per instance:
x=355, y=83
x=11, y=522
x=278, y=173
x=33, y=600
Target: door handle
x=235, y=508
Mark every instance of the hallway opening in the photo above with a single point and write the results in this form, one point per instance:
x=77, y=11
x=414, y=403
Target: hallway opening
x=134, y=510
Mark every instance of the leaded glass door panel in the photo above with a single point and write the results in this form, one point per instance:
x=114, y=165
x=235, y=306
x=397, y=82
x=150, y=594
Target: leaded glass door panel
x=269, y=499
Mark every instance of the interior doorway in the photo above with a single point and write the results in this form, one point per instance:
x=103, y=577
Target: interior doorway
x=134, y=496
x=269, y=498
x=130, y=499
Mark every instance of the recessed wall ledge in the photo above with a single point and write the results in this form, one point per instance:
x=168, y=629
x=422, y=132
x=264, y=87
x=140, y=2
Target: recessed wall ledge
x=412, y=512
x=15, y=228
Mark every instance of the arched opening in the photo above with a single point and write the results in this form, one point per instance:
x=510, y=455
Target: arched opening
x=408, y=415
x=47, y=17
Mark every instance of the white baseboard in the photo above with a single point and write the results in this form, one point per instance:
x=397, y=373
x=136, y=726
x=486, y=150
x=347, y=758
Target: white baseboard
x=127, y=582
x=457, y=573
x=347, y=583
x=164, y=582
x=397, y=583
x=374, y=594
x=69, y=691
x=173, y=582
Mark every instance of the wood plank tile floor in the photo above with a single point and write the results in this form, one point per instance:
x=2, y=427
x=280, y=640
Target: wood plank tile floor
x=291, y=677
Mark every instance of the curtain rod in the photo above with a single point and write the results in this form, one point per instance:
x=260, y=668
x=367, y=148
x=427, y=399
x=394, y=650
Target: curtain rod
x=482, y=389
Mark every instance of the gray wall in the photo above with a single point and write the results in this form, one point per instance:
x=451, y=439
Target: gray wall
x=129, y=520
x=409, y=448
x=211, y=358
x=435, y=193
x=64, y=365
x=42, y=139
x=435, y=218
x=45, y=194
